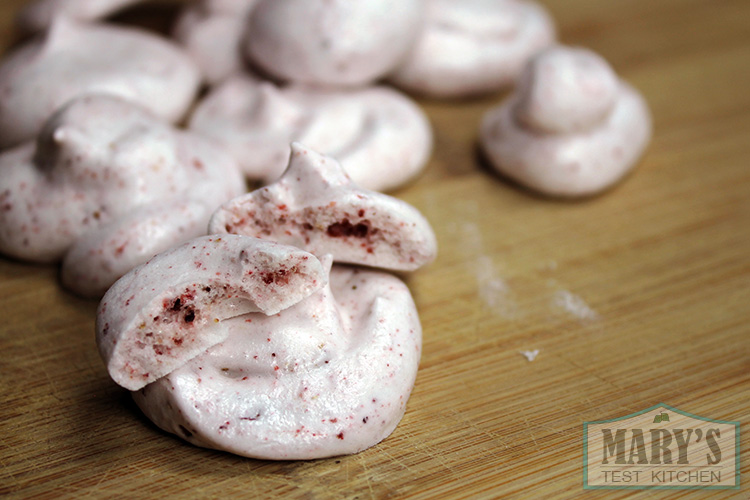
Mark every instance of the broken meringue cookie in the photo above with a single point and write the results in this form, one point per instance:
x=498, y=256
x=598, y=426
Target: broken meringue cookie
x=175, y=306
x=212, y=32
x=331, y=43
x=329, y=376
x=316, y=206
x=41, y=14
x=100, y=160
x=381, y=137
x=571, y=128
x=73, y=58
x=472, y=47
x=327, y=372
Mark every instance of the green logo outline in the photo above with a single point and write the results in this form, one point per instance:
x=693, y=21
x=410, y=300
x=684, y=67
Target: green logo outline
x=737, y=474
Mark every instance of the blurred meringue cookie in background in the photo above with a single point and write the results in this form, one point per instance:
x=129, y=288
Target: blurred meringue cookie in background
x=212, y=32
x=74, y=58
x=381, y=137
x=332, y=42
x=99, y=163
x=39, y=15
x=571, y=127
x=471, y=47
x=317, y=207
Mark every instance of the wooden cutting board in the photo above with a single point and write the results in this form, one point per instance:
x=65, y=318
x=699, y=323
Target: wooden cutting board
x=637, y=297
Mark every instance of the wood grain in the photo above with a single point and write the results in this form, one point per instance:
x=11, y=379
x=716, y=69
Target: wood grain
x=662, y=262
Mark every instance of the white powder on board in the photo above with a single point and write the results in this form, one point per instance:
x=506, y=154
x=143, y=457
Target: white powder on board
x=492, y=289
x=574, y=305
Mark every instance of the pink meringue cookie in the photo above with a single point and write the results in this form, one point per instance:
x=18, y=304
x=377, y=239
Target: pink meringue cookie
x=212, y=32
x=571, y=128
x=471, y=47
x=381, y=137
x=329, y=376
x=172, y=308
x=316, y=206
x=98, y=161
x=332, y=42
x=98, y=258
x=39, y=15
x=73, y=58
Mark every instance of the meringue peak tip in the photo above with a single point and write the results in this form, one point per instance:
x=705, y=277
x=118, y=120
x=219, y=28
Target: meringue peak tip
x=60, y=135
x=307, y=163
x=326, y=260
x=66, y=136
x=60, y=29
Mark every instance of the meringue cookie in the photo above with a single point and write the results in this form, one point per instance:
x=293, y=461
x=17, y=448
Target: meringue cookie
x=40, y=14
x=471, y=47
x=73, y=58
x=316, y=206
x=212, y=32
x=332, y=42
x=331, y=375
x=571, y=128
x=98, y=258
x=172, y=308
x=97, y=161
x=381, y=137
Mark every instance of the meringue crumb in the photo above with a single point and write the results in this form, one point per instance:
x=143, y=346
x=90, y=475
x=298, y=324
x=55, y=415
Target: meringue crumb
x=530, y=355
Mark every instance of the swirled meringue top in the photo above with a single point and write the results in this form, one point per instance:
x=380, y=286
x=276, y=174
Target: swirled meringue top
x=74, y=58
x=473, y=46
x=571, y=128
x=381, y=137
x=332, y=42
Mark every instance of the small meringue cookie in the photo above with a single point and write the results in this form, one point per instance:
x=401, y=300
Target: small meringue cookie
x=165, y=312
x=471, y=47
x=73, y=58
x=381, y=137
x=332, y=42
x=97, y=161
x=571, y=128
x=41, y=14
x=315, y=206
x=212, y=32
x=329, y=376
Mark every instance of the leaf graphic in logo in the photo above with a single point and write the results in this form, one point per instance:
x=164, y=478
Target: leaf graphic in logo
x=657, y=419
x=664, y=417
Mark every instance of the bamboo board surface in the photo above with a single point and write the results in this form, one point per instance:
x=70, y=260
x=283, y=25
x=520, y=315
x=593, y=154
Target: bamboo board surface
x=637, y=297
